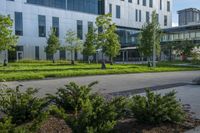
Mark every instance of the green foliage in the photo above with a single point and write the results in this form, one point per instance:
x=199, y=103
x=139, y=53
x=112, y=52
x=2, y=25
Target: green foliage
x=156, y=109
x=90, y=43
x=6, y=126
x=73, y=43
x=150, y=35
x=57, y=112
x=107, y=38
x=112, y=46
x=91, y=112
x=7, y=39
x=53, y=43
x=21, y=106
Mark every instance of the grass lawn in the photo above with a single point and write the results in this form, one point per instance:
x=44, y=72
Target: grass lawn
x=45, y=69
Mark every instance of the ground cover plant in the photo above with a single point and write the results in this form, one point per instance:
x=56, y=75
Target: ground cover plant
x=27, y=70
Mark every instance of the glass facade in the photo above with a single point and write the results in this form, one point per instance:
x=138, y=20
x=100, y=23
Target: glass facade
x=87, y=6
x=42, y=25
x=50, y=3
x=127, y=36
x=18, y=23
x=55, y=25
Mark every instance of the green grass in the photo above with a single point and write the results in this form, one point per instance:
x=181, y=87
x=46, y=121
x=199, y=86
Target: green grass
x=27, y=70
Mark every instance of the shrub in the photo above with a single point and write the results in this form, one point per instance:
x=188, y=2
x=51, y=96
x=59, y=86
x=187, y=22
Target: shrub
x=21, y=106
x=71, y=97
x=155, y=109
x=90, y=113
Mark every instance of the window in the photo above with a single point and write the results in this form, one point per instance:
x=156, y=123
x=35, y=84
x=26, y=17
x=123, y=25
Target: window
x=138, y=2
x=88, y=6
x=150, y=3
x=62, y=55
x=55, y=25
x=160, y=4
x=140, y=15
x=80, y=29
x=50, y=3
x=157, y=16
x=42, y=25
x=168, y=6
x=110, y=8
x=18, y=24
x=165, y=20
x=147, y=17
x=118, y=11
x=136, y=15
x=37, y=53
x=90, y=25
x=130, y=1
x=144, y=2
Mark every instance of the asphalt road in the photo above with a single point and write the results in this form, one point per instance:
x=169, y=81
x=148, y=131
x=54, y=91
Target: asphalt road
x=113, y=83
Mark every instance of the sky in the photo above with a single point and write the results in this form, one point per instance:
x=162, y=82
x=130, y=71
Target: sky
x=181, y=4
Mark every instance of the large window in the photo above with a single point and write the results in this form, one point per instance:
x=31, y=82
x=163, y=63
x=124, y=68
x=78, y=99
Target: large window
x=118, y=12
x=144, y=2
x=165, y=20
x=18, y=23
x=80, y=29
x=160, y=4
x=55, y=25
x=136, y=15
x=150, y=3
x=147, y=17
x=42, y=25
x=168, y=6
x=88, y=6
x=110, y=8
x=50, y=3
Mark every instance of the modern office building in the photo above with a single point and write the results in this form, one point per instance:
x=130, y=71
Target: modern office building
x=33, y=20
x=189, y=16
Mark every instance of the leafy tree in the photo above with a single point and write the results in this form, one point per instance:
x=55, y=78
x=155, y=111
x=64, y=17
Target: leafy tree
x=74, y=44
x=53, y=44
x=112, y=46
x=7, y=39
x=184, y=48
x=89, y=48
x=149, y=38
x=107, y=38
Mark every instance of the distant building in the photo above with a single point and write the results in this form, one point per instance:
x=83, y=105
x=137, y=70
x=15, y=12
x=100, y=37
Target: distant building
x=189, y=16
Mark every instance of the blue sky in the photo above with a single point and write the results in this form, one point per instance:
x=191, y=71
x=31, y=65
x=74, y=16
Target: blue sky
x=181, y=4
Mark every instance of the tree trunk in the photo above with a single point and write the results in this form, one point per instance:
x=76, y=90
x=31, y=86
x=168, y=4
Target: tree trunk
x=103, y=64
x=53, y=59
x=5, y=63
x=111, y=61
x=88, y=59
x=72, y=60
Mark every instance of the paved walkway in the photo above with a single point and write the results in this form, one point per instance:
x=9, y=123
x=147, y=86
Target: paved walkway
x=114, y=83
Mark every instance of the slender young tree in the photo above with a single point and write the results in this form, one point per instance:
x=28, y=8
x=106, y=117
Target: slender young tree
x=53, y=44
x=89, y=47
x=149, y=39
x=112, y=46
x=73, y=44
x=107, y=38
x=7, y=39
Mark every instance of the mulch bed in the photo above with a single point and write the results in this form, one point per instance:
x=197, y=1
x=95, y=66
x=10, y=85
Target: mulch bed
x=54, y=125
x=131, y=126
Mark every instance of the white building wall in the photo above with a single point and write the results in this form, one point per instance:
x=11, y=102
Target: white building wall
x=68, y=20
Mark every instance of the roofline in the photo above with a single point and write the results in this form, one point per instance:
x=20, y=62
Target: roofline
x=189, y=9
